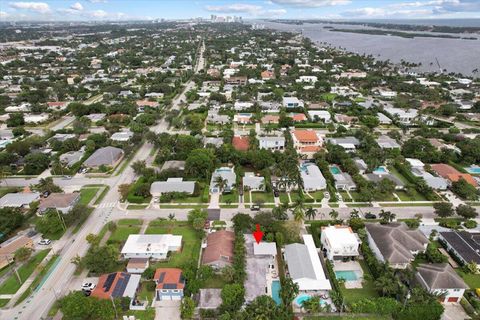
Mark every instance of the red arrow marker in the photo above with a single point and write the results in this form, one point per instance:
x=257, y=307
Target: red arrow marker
x=258, y=234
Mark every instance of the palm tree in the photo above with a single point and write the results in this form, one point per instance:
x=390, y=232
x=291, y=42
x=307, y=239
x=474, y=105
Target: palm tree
x=333, y=214
x=355, y=214
x=221, y=183
x=310, y=213
x=298, y=209
x=386, y=216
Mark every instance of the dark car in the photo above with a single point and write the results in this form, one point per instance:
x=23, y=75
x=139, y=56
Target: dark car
x=276, y=193
x=370, y=216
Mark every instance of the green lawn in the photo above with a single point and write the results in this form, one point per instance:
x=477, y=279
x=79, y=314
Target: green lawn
x=317, y=195
x=246, y=197
x=283, y=197
x=413, y=196
x=137, y=206
x=148, y=314
x=345, y=196
x=3, y=302
x=214, y=282
x=190, y=242
x=368, y=290
x=262, y=197
x=11, y=285
x=294, y=195
x=122, y=233
x=472, y=280
x=395, y=172
x=130, y=222
x=87, y=194
x=229, y=197
x=350, y=317
x=102, y=195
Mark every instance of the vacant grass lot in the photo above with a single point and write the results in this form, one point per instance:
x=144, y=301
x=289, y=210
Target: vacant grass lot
x=262, y=197
x=122, y=233
x=413, y=195
x=190, y=242
x=11, y=285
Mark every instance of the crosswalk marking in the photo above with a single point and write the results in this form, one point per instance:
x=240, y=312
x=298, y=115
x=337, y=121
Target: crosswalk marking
x=107, y=205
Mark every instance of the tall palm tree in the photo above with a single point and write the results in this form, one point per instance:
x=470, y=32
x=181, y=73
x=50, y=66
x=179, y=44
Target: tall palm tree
x=221, y=183
x=310, y=213
x=298, y=209
x=387, y=216
x=333, y=214
x=355, y=214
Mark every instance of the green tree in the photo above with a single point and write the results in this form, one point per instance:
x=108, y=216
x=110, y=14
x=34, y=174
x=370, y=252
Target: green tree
x=262, y=307
x=102, y=259
x=310, y=213
x=47, y=185
x=200, y=163
x=187, y=308
x=466, y=211
x=233, y=297
x=465, y=190
x=443, y=209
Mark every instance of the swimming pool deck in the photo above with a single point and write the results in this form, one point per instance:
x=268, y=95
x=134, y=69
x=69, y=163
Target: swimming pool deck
x=350, y=266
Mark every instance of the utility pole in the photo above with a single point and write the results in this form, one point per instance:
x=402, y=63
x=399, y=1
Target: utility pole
x=114, y=307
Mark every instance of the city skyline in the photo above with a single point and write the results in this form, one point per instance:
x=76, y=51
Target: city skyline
x=54, y=10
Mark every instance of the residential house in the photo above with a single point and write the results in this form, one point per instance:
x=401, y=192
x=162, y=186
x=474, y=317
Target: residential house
x=236, y=80
x=463, y=245
x=63, y=202
x=307, y=79
x=267, y=75
x=72, y=157
x=9, y=247
x=343, y=181
x=158, y=188
x=270, y=119
x=19, y=200
x=450, y=173
x=253, y=182
x=137, y=265
x=292, y=102
x=241, y=143
x=348, y=143
x=170, y=284
x=214, y=117
x=404, y=116
x=228, y=175
x=376, y=177
x=395, y=243
x=122, y=136
x=442, y=281
x=306, y=141
x=154, y=246
x=218, y=251
x=418, y=170
x=385, y=142
x=297, y=117
x=243, y=118
x=317, y=115
x=106, y=156
x=383, y=119
x=116, y=285
x=303, y=266
x=271, y=142
x=312, y=177
x=339, y=243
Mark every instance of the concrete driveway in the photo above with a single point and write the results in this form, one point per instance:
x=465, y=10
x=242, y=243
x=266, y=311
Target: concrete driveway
x=167, y=310
x=454, y=312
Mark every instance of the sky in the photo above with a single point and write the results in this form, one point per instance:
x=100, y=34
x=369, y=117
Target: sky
x=64, y=10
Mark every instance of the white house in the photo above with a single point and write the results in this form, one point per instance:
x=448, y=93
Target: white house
x=442, y=281
x=155, y=246
x=172, y=185
x=304, y=266
x=307, y=79
x=253, y=182
x=323, y=115
x=312, y=177
x=122, y=136
x=405, y=116
x=271, y=143
x=292, y=102
x=339, y=243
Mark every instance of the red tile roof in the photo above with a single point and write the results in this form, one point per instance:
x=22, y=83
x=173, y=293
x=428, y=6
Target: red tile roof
x=452, y=174
x=270, y=119
x=169, y=278
x=219, y=246
x=305, y=136
x=240, y=143
x=298, y=117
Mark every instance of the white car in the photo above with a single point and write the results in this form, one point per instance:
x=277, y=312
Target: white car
x=88, y=286
x=326, y=195
x=45, y=242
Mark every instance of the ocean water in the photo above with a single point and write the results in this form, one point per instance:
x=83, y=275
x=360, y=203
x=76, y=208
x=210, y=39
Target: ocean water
x=454, y=55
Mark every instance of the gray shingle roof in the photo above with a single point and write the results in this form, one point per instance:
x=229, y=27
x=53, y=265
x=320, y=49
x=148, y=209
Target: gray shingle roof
x=439, y=276
x=104, y=156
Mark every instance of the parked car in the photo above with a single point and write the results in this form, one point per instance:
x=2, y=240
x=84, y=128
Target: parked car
x=370, y=216
x=88, y=286
x=276, y=193
x=255, y=207
x=67, y=177
x=45, y=242
x=326, y=194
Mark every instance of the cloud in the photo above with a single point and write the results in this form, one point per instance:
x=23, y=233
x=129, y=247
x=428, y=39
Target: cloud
x=97, y=1
x=370, y=12
x=40, y=7
x=4, y=15
x=312, y=3
x=235, y=8
x=98, y=14
x=77, y=6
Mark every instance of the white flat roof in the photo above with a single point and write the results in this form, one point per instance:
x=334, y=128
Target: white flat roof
x=321, y=282
x=151, y=243
x=339, y=237
x=265, y=248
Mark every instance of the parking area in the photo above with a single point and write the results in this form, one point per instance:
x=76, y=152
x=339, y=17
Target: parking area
x=167, y=309
x=257, y=267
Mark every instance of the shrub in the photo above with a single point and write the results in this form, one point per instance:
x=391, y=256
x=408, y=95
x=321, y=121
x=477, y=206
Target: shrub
x=470, y=224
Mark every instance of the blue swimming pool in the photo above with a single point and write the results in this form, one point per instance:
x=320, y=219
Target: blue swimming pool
x=347, y=275
x=380, y=170
x=473, y=170
x=276, y=292
x=305, y=297
x=335, y=170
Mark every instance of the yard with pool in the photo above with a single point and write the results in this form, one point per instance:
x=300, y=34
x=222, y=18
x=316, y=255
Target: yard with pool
x=191, y=242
